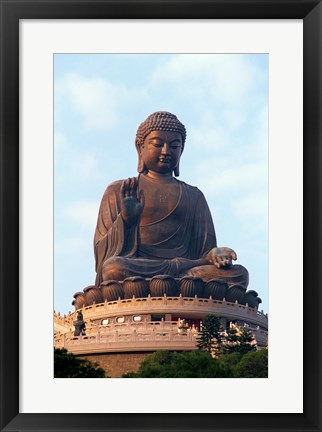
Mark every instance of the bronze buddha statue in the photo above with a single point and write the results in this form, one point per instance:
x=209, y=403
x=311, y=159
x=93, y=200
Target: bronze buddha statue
x=155, y=224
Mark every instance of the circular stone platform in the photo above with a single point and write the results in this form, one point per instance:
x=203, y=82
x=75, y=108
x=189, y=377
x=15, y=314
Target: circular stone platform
x=151, y=323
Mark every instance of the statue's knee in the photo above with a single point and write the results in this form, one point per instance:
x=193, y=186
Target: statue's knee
x=241, y=269
x=114, y=268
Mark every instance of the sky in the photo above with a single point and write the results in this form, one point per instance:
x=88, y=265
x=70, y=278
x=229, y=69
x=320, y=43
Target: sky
x=99, y=102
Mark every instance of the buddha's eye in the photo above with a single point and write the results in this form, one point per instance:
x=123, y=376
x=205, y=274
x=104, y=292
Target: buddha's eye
x=160, y=144
x=175, y=145
x=157, y=145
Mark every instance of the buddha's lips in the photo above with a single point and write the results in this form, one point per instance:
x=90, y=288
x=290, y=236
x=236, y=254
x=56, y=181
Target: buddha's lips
x=165, y=159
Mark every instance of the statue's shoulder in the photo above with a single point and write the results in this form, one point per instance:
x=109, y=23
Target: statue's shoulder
x=115, y=186
x=195, y=193
x=112, y=189
x=191, y=189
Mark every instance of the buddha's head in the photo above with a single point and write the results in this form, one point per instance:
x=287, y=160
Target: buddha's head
x=159, y=142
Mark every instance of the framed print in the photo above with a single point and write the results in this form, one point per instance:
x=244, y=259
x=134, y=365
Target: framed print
x=38, y=39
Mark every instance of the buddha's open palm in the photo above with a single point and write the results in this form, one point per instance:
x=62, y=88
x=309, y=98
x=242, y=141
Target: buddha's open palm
x=132, y=204
x=221, y=257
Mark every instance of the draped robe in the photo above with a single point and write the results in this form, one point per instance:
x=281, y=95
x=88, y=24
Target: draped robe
x=164, y=245
x=160, y=247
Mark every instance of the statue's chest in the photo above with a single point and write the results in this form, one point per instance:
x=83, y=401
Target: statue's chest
x=160, y=202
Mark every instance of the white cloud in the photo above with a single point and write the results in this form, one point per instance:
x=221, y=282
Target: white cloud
x=232, y=163
x=80, y=166
x=226, y=78
x=85, y=166
x=232, y=177
x=60, y=141
x=85, y=162
x=69, y=246
x=82, y=213
x=211, y=139
x=252, y=206
x=94, y=98
x=97, y=99
x=207, y=135
x=234, y=118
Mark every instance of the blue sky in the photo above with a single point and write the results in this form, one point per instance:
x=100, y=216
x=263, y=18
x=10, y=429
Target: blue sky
x=99, y=102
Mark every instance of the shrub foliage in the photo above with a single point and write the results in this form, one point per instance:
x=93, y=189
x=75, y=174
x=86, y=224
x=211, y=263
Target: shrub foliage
x=66, y=365
x=220, y=354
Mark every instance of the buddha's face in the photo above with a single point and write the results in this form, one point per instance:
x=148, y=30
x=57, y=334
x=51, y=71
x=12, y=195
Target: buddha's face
x=161, y=151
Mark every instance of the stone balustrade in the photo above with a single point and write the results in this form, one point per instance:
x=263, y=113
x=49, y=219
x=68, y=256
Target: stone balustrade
x=63, y=324
x=148, y=335
x=181, y=306
x=64, y=319
x=144, y=336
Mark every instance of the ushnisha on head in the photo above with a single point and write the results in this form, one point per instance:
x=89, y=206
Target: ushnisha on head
x=158, y=121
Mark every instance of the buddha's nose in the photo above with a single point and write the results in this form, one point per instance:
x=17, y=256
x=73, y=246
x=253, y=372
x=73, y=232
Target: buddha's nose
x=165, y=148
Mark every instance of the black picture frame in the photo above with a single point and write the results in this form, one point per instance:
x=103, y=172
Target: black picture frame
x=14, y=10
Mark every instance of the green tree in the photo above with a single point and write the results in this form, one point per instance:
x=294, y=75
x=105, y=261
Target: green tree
x=200, y=364
x=246, y=341
x=231, y=340
x=240, y=340
x=66, y=365
x=228, y=362
x=168, y=364
x=253, y=365
x=210, y=335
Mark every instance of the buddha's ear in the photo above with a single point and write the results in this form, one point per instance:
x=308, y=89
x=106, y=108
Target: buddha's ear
x=141, y=166
x=176, y=171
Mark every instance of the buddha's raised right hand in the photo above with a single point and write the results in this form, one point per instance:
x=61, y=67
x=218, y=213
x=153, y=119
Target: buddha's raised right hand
x=132, y=203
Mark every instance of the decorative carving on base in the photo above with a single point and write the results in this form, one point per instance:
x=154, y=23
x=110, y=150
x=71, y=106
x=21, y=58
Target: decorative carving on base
x=251, y=298
x=111, y=290
x=79, y=300
x=93, y=295
x=216, y=288
x=164, y=284
x=191, y=286
x=158, y=286
x=136, y=286
x=235, y=293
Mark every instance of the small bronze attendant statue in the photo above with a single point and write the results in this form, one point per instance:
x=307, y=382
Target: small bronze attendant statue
x=154, y=224
x=79, y=324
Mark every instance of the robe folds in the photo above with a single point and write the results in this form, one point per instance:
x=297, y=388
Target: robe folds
x=187, y=232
